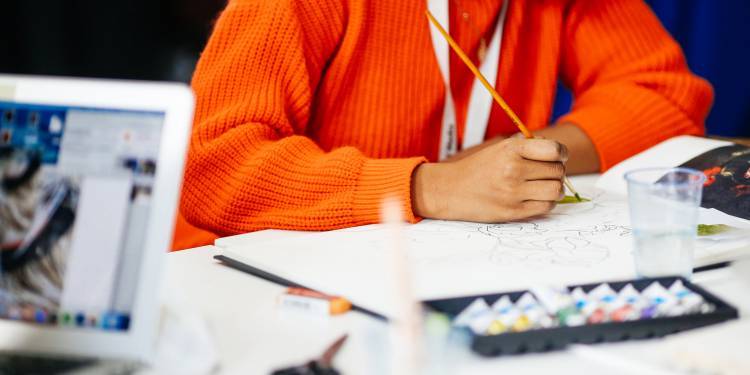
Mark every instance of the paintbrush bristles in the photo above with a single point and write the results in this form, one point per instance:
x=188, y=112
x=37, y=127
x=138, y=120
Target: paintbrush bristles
x=570, y=187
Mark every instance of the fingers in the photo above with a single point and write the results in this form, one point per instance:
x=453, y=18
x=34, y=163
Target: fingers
x=542, y=170
x=537, y=208
x=543, y=190
x=540, y=149
x=511, y=180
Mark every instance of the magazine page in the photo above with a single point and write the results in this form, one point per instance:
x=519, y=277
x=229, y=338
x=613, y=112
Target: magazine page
x=670, y=153
x=727, y=187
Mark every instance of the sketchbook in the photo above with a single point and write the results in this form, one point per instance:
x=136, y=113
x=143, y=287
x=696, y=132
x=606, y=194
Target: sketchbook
x=577, y=243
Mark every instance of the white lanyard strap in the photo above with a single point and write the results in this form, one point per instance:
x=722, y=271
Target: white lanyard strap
x=480, y=101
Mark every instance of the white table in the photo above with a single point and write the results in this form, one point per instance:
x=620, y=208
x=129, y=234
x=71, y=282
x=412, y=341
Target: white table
x=253, y=337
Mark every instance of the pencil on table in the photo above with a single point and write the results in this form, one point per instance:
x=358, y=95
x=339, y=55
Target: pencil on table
x=498, y=99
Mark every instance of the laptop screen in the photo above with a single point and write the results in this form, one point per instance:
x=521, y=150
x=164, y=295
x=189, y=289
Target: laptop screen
x=75, y=194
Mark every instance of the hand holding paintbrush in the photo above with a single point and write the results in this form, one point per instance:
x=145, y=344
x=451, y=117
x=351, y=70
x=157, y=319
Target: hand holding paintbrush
x=509, y=180
x=495, y=95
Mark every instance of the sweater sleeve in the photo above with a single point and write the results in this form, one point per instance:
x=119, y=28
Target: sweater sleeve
x=631, y=84
x=250, y=167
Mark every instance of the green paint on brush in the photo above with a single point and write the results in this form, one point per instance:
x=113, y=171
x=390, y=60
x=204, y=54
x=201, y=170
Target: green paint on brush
x=573, y=199
x=711, y=229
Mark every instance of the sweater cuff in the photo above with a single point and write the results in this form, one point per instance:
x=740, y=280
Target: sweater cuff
x=620, y=130
x=381, y=178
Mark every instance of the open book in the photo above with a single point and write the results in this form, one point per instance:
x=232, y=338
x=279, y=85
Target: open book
x=576, y=243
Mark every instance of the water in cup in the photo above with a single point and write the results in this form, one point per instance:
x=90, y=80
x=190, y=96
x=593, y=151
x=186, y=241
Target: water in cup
x=663, y=206
x=663, y=253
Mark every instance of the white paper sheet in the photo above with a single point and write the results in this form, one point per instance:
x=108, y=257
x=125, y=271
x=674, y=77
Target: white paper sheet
x=579, y=243
x=723, y=247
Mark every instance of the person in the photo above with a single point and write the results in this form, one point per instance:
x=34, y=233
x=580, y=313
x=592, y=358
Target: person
x=309, y=113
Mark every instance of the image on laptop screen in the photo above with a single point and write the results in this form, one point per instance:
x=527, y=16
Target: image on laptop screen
x=75, y=194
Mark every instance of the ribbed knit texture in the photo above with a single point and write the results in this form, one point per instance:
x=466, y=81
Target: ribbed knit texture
x=310, y=112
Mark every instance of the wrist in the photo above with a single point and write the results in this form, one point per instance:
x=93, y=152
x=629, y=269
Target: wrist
x=424, y=189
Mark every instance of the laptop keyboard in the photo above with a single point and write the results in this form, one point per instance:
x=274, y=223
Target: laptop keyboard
x=12, y=364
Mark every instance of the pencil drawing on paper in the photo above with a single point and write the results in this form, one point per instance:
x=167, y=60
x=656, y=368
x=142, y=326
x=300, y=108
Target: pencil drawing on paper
x=574, y=235
x=533, y=244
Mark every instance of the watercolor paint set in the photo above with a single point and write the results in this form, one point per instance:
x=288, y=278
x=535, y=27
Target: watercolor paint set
x=548, y=318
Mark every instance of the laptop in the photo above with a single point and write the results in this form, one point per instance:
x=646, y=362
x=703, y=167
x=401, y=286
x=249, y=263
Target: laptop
x=90, y=174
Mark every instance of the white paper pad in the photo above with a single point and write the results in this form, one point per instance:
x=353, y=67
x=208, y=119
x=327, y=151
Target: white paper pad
x=579, y=243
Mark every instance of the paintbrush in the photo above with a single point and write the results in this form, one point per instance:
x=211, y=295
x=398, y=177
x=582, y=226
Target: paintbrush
x=498, y=99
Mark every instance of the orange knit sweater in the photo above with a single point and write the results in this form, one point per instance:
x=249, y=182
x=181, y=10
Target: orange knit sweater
x=309, y=112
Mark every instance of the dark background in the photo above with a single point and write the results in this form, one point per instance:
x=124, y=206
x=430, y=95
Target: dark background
x=714, y=36
x=131, y=39
x=161, y=40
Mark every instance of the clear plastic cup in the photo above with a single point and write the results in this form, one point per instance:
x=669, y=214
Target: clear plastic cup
x=664, y=216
